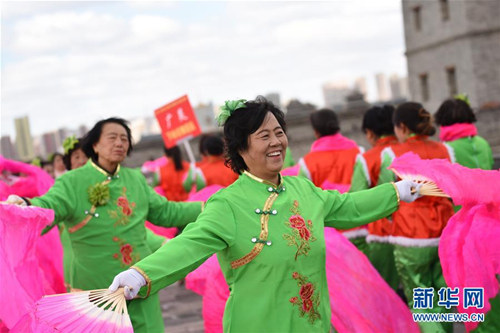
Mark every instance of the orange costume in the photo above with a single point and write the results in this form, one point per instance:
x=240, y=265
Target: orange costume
x=330, y=165
x=171, y=181
x=416, y=230
x=213, y=171
x=367, y=175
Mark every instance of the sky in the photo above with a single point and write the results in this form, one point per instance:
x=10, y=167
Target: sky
x=68, y=63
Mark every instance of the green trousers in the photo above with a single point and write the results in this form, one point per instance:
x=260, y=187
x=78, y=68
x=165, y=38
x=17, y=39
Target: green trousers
x=381, y=255
x=419, y=267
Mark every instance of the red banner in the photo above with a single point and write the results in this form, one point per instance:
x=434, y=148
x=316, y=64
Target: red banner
x=177, y=121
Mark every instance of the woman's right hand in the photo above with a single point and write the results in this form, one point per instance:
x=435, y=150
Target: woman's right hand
x=16, y=200
x=131, y=281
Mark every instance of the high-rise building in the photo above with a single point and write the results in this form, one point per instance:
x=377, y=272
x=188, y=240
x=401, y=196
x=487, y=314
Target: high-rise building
x=24, y=141
x=399, y=87
x=8, y=150
x=452, y=47
x=382, y=87
x=205, y=115
x=361, y=87
x=274, y=98
x=335, y=95
x=50, y=142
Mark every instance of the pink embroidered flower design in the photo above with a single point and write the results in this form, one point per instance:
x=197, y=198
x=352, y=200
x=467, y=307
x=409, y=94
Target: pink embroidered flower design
x=301, y=234
x=126, y=251
x=124, y=209
x=297, y=222
x=305, y=234
x=308, y=300
x=126, y=256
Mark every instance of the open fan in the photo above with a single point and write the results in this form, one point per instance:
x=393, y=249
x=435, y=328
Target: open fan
x=429, y=187
x=85, y=311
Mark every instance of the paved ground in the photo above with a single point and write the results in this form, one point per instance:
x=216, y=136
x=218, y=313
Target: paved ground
x=182, y=311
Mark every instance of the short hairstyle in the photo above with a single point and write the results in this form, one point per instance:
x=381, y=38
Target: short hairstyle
x=454, y=111
x=379, y=120
x=415, y=117
x=93, y=136
x=53, y=157
x=241, y=124
x=214, y=145
x=325, y=122
x=67, y=156
x=201, y=146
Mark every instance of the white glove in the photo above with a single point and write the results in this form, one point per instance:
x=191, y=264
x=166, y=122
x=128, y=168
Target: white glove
x=16, y=200
x=405, y=190
x=131, y=281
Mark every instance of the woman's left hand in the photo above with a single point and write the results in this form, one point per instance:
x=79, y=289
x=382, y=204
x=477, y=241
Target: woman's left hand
x=408, y=191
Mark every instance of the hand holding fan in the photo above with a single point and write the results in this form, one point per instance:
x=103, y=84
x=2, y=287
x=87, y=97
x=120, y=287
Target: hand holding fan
x=428, y=188
x=87, y=311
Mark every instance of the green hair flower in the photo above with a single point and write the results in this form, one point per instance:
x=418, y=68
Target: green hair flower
x=98, y=194
x=50, y=157
x=36, y=162
x=227, y=110
x=462, y=97
x=69, y=143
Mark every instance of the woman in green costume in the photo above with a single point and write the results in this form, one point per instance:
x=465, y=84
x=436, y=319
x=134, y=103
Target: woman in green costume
x=267, y=231
x=104, y=207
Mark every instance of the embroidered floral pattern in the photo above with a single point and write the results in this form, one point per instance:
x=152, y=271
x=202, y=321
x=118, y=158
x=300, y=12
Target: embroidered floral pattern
x=307, y=301
x=302, y=232
x=126, y=254
x=124, y=210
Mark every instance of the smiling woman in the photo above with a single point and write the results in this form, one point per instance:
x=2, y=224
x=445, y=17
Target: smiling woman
x=103, y=206
x=267, y=231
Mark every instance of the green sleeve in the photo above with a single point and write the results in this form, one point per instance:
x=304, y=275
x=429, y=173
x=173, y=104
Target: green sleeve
x=154, y=241
x=60, y=198
x=303, y=169
x=360, y=177
x=169, y=213
x=189, y=178
x=349, y=210
x=214, y=230
x=200, y=180
x=289, y=162
x=386, y=175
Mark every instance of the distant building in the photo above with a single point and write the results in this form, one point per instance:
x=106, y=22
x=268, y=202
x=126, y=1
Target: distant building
x=335, y=95
x=453, y=47
x=360, y=86
x=382, y=87
x=82, y=130
x=8, y=150
x=51, y=142
x=24, y=141
x=206, y=116
x=275, y=98
x=399, y=87
x=296, y=109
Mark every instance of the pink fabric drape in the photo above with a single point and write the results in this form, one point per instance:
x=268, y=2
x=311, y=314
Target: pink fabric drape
x=25, y=278
x=456, y=131
x=469, y=248
x=333, y=142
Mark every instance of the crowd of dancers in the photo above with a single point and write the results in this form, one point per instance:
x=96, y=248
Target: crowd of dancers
x=333, y=240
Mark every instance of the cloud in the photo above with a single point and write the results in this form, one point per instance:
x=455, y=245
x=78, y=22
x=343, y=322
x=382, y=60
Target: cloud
x=76, y=66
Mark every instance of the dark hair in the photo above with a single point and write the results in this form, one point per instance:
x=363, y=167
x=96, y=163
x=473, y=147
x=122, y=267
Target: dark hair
x=67, y=156
x=175, y=154
x=242, y=123
x=44, y=163
x=415, y=117
x=214, y=145
x=93, y=136
x=379, y=120
x=454, y=111
x=53, y=157
x=201, y=147
x=325, y=122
